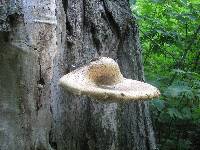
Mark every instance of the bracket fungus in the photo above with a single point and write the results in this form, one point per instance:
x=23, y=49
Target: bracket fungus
x=102, y=80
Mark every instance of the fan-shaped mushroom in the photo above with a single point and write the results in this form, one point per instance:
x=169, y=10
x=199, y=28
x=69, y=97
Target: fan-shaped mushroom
x=103, y=81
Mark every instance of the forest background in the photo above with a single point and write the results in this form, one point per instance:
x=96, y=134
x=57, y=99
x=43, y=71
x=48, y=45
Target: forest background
x=170, y=39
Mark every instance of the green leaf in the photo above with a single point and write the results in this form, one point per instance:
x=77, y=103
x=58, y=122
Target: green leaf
x=158, y=104
x=176, y=90
x=132, y=2
x=196, y=114
x=179, y=71
x=174, y=113
x=157, y=1
x=186, y=113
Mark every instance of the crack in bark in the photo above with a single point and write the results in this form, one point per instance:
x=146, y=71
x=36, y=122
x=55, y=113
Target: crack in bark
x=84, y=10
x=147, y=142
x=69, y=27
x=40, y=84
x=52, y=142
x=111, y=21
x=96, y=41
x=86, y=143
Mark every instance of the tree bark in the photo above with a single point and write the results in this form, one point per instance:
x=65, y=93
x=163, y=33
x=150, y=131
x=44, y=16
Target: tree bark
x=45, y=39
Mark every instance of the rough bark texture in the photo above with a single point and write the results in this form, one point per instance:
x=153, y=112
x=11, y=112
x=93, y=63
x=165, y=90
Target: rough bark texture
x=45, y=40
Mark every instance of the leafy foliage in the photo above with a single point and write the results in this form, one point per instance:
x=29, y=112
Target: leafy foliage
x=170, y=40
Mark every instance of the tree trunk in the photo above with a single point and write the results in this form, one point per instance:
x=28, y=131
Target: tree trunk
x=41, y=40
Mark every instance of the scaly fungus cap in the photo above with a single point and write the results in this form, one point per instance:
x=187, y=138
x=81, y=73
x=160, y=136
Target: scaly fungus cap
x=103, y=81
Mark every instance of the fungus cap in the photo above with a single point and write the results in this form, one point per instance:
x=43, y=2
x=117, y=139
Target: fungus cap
x=103, y=81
